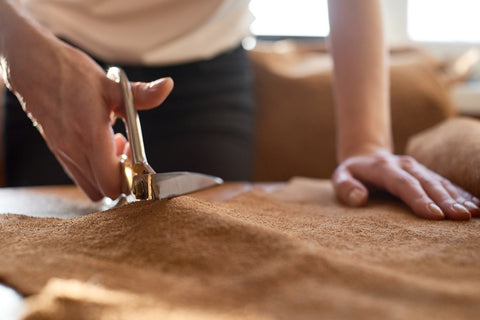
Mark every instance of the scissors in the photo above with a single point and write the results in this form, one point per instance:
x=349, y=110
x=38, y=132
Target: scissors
x=139, y=177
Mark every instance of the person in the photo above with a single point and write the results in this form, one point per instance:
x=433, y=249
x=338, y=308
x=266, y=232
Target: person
x=207, y=122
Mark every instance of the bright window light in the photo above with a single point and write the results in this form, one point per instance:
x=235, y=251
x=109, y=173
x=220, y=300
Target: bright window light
x=444, y=20
x=290, y=17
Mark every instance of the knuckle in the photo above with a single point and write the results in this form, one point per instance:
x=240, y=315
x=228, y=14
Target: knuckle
x=343, y=185
x=448, y=185
x=403, y=182
x=419, y=201
x=340, y=175
x=381, y=163
x=434, y=187
x=382, y=159
x=407, y=162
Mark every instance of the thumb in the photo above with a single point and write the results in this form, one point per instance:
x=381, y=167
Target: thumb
x=147, y=95
x=152, y=94
x=121, y=144
x=348, y=189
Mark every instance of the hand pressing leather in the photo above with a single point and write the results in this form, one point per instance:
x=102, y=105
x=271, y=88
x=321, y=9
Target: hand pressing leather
x=428, y=194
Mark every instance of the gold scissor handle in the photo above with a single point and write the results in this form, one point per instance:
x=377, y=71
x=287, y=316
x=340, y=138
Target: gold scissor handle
x=137, y=174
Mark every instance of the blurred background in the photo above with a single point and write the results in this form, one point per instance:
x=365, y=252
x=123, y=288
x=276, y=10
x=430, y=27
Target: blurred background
x=446, y=29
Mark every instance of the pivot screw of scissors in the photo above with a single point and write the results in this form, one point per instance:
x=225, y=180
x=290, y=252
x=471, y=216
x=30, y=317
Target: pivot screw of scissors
x=140, y=189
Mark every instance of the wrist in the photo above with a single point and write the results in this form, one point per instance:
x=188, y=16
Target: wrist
x=363, y=149
x=364, y=134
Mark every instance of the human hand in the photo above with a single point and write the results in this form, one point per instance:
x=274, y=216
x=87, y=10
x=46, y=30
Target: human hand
x=428, y=194
x=70, y=100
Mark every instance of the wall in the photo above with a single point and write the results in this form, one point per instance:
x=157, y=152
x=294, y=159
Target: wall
x=395, y=14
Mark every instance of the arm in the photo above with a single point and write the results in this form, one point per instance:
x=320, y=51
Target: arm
x=69, y=98
x=364, y=143
x=361, y=87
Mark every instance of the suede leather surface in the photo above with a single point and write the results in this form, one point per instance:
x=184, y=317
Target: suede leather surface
x=295, y=253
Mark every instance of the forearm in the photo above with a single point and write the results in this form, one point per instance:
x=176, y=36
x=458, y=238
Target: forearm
x=23, y=43
x=9, y=17
x=361, y=79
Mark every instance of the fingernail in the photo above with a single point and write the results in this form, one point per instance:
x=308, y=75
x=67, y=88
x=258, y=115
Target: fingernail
x=458, y=208
x=157, y=82
x=435, y=210
x=470, y=206
x=356, y=197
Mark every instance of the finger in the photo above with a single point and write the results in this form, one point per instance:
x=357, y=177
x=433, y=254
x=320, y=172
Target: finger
x=152, y=94
x=146, y=95
x=385, y=173
x=470, y=201
x=104, y=162
x=404, y=186
x=462, y=196
x=127, y=150
x=435, y=190
x=349, y=190
x=78, y=177
x=120, y=144
x=455, y=190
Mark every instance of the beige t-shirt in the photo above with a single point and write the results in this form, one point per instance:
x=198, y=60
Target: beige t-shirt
x=149, y=32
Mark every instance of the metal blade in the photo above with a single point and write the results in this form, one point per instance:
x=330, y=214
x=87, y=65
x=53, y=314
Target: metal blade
x=173, y=184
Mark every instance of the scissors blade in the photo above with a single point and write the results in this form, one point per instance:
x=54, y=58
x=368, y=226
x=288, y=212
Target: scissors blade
x=173, y=184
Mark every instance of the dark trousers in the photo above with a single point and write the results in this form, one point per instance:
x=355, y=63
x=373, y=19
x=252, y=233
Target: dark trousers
x=206, y=125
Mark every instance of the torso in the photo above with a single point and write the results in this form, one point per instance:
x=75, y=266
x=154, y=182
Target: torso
x=148, y=32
